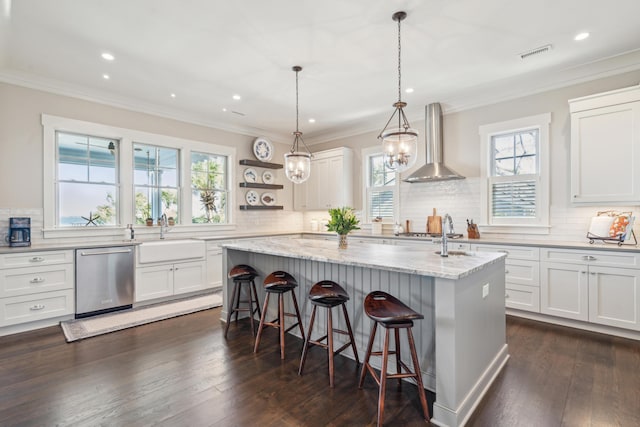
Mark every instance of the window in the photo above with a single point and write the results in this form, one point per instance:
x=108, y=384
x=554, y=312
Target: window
x=515, y=173
x=208, y=188
x=155, y=178
x=87, y=180
x=380, y=186
x=95, y=174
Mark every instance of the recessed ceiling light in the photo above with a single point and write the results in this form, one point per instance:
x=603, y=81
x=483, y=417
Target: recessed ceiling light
x=107, y=56
x=312, y=120
x=409, y=90
x=224, y=110
x=106, y=76
x=236, y=97
x=173, y=95
x=581, y=36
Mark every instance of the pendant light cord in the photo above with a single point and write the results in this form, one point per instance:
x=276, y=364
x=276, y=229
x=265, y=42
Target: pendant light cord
x=297, y=109
x=399, y=68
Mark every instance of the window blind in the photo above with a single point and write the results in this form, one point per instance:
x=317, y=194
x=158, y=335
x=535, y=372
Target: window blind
x=514, y=199
x=381, y=204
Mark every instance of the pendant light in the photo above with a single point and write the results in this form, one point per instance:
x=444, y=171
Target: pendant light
x=399, y=143
x=297, y=164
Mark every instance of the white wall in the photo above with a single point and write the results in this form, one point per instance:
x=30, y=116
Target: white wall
x=21, y=148
x=462, y=153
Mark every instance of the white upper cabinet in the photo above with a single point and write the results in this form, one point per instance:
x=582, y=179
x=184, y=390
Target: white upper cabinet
x=330, y=184
x=605, y=147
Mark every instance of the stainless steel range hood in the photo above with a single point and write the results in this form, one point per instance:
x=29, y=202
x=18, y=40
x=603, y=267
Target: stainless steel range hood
x=434, y=170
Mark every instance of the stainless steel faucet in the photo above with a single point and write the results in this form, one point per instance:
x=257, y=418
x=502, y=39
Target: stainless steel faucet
x=164, y=228
x=444, y=250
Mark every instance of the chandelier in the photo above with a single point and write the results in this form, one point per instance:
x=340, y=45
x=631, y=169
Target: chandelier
x=297, y=164
x=399, y=143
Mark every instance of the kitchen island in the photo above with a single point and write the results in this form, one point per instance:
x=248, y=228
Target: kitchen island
x=461, y=340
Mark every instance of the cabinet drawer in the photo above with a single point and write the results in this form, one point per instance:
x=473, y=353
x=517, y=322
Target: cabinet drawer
x=24, y=281
x=522, y=272
x=29, y=308
x=522, y=297
x=513, y=252
x=601, y=258
x=33, y=259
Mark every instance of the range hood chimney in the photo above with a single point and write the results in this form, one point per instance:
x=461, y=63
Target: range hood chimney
x=434, y=170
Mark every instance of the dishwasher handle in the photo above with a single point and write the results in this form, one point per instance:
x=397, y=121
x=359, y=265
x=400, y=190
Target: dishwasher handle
x=121, y=251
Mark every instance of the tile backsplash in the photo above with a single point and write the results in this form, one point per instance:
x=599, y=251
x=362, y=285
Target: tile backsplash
x=461, y=200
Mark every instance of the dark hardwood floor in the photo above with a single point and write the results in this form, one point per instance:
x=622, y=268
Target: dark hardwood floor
x=181, y=372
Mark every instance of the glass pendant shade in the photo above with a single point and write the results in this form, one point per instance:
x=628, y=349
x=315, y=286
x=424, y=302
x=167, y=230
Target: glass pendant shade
x=297, y=166
x=400, y=147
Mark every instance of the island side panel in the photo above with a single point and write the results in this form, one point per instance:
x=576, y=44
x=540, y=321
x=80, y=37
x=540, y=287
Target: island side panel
x=416, y=291
x=471, y=344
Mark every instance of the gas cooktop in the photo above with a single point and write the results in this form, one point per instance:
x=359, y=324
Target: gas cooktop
x=432, y=235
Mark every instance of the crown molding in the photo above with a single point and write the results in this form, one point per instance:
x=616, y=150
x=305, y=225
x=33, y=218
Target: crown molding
x=104, y=98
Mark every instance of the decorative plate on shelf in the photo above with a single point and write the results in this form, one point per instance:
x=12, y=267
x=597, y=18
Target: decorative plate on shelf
x=268, y=177
x=262, y=149
x=268, y=199
x=250, y=175
x=252, y=198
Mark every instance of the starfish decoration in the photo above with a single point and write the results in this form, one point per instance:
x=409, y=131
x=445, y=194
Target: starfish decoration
x=91, y=219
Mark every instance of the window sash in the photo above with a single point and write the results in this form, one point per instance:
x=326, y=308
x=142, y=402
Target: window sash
x=209, y=188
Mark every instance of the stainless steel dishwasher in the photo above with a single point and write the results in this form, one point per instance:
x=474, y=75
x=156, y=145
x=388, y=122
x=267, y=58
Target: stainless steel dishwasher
x=104, y=280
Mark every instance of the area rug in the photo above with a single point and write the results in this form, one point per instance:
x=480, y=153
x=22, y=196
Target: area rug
x=79, y=329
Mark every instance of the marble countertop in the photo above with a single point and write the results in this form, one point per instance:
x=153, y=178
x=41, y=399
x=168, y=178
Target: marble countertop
x=65, y=246
x=401, y=259
x=564, y=244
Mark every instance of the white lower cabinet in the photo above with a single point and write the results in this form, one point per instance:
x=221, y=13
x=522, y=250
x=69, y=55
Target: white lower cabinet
x=164, y=280
x=522, y=275
x=564, y=290
x=215, y=275
x=614, y=297
x=592, y=286
x=36, y=286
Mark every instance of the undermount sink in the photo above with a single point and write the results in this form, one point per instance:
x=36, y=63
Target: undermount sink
x=170, y=250
x=455, y=253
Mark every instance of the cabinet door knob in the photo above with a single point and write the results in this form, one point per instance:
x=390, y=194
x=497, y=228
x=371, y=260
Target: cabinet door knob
x=37, y=280
x=36, y=307
x=506, y=296
x=503, y=251
x=506, y=272
x=593, y=273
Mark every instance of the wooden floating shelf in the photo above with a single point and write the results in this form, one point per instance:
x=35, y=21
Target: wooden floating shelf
x=263, y=186
x=259, y=164
x=259, y=207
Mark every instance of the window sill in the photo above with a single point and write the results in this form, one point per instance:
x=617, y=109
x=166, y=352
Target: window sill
x=140, y=230
x=515, y=229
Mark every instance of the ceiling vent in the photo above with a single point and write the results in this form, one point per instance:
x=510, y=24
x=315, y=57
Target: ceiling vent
x=536, y=51
x=238, y=113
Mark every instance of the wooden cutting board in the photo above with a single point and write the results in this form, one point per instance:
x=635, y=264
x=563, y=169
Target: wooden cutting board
x=434, y=223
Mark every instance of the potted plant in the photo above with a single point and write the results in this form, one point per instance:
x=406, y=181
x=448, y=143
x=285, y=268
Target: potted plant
x=342, y=221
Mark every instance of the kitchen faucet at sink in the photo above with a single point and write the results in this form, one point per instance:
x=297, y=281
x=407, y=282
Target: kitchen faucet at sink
x=443, y=248
x=164, y=227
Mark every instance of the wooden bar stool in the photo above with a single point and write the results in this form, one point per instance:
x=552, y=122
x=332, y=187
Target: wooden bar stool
x=390, y=313
x=279, y=282
x=243, y=274
x=328, y=294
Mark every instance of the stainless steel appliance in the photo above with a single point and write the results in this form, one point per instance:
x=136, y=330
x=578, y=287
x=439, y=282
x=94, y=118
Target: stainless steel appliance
x=434, y=169
x=19, y=231
x=104, y=280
